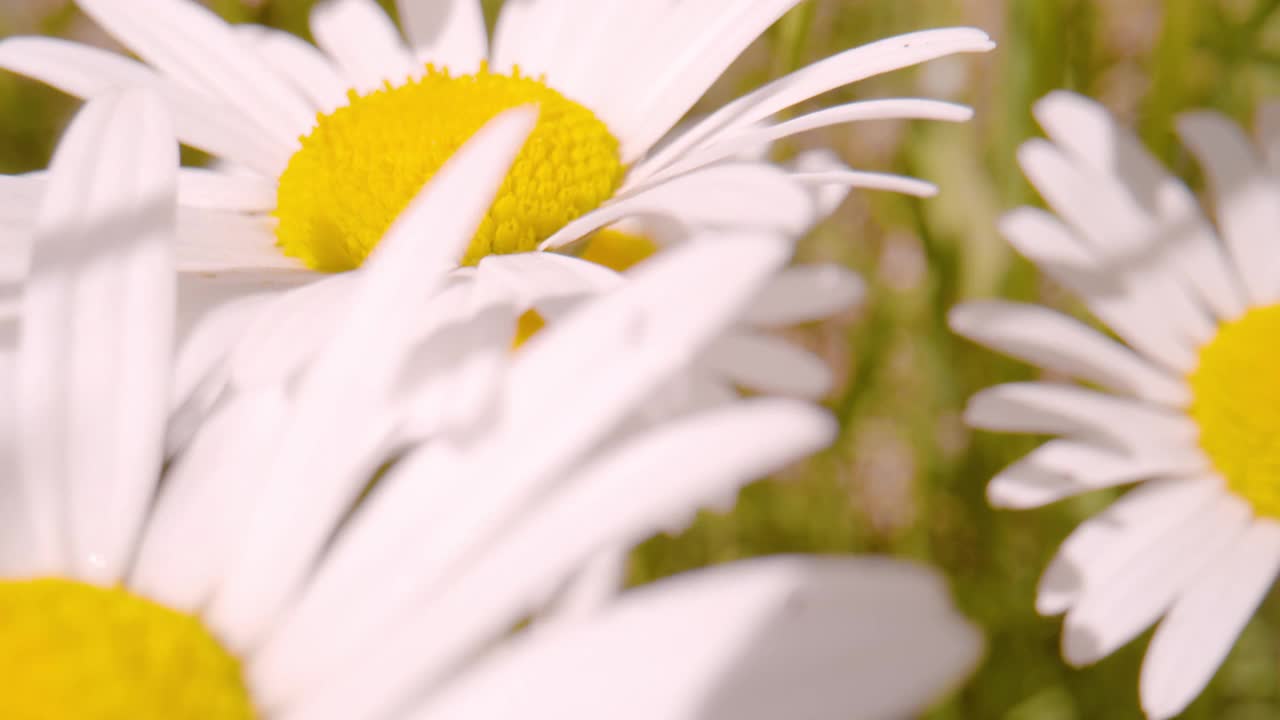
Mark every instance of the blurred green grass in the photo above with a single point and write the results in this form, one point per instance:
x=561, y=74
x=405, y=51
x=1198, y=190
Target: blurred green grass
x=905, y=477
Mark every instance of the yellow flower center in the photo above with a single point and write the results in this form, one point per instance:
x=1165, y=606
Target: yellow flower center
x=364, y=162
x=70, y=650
x=1236, y=404
x=611, y=248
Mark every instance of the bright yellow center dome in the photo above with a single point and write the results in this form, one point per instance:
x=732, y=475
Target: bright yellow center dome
x=364, y=162
x=70, y=650
x=1236, y=404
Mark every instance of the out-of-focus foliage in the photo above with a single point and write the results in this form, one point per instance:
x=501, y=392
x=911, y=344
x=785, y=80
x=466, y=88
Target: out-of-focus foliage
x=905, y=477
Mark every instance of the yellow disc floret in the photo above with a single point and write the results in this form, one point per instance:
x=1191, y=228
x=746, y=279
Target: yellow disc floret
x=617, y=249
x=364, y=162
x=1236, y=404
x=70, y=650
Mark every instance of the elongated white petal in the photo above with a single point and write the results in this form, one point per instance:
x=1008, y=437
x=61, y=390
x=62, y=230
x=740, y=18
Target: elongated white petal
x=298, y=62
x=364, y=43
x=1062, y=468
x=593, y=588
x=446, y=32
x=20, y=198
x=1266, y=127
x=1119, y=299
x=722, y=196
x=528, y=560
x=88, y=72
x=97, y=334
x=805, y=293
x=729, y=144
x=216, y=241
x=688, y=50
x=1199, y=631
x=191, y=44
x=844, y=68
x=767, y=638
x=1099, y=548
x=536, y=277
x=1087, y=130
x=607, y=38
x=199, y=188
x=1123, y=236
x=1115, y=612
x=769, y=365
x=1059, y=409
x=1245, y=194
x=1057, y=342
x=331, y=446
x=214, y=485
x=17, y=532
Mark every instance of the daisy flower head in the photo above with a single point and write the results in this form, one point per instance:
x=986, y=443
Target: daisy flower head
x=331, y=141
x=1180, y=403
x=257, y=574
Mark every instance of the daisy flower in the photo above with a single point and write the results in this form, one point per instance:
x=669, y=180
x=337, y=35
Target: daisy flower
x=236, y=580
x=329, y=143
x=1180, y=402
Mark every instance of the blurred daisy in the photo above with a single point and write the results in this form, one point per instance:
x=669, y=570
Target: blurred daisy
x=1182, y=404
x=330, y=143
x=244, y=585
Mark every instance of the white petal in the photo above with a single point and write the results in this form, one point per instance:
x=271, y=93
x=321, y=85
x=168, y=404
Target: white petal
x=1116, y=611
x=753, y=196
x=729, y=144
x=364, y=43
x=805, y=293
x=1086, y=129
x=88, y=72
x=214, y=241
x=593, y=588
x=1062, y=468
x=795, y=637
x=768, y=365
x=212, y=190
x=1057, y=409
x=1101, y=546
x=338, y=432
x=20, y=198
x=195, y=47
x=1267, y=130
x=17, y=533
x=97, y=337
x=844, y=68
x=605, y=39
x=213, y=486
x=534, y=43
x=1127, y=241
x=1121, y=300
x=576, y=380
x=1057, y=342
x=687, y=52
x=298, y=62
x=533, y=278
x=1246, y=196
x=822, y=162
x=446, y=32
x=1199, y=631
x=616, y=501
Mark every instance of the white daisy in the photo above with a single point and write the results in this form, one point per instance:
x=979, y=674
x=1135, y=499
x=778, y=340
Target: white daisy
x=244, y=585
x=1183, y=404
x=375, y=122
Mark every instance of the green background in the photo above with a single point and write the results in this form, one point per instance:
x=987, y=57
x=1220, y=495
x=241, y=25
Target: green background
x=905, y=477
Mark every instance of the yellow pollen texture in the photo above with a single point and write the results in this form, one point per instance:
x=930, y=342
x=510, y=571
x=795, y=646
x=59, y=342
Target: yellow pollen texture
x=617, y=249
x=71, y=650
x=364, y=162
x=1236, y=404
